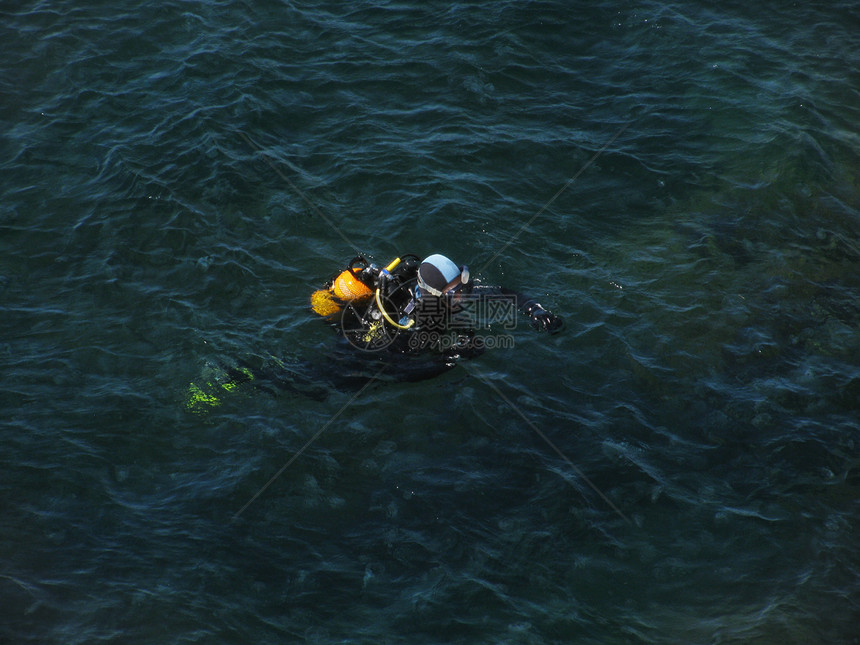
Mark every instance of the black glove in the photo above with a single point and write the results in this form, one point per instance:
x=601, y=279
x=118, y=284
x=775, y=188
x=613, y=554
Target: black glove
x=544, y=320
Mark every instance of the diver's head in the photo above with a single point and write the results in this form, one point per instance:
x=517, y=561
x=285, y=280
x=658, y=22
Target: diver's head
x=438, y=275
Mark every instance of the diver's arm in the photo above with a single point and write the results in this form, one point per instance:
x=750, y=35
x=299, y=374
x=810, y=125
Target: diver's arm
x=539, y=318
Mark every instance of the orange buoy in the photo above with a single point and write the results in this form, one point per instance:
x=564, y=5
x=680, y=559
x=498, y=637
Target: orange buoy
x=345, y=288
x=348, y=288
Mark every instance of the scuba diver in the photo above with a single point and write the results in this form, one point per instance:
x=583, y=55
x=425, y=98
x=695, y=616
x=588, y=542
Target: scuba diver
x=408, y=321
x=412, y=305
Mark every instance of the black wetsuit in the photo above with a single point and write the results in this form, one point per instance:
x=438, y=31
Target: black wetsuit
x=418, y=335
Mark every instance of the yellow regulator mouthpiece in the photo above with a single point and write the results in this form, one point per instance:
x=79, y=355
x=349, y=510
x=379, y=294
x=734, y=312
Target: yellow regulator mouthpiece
x=393, y=264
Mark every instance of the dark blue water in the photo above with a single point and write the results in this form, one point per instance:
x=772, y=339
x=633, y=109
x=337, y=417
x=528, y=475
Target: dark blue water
x=178, y=177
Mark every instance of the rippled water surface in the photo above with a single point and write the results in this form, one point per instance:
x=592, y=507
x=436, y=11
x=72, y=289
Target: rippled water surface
x=680, y=465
